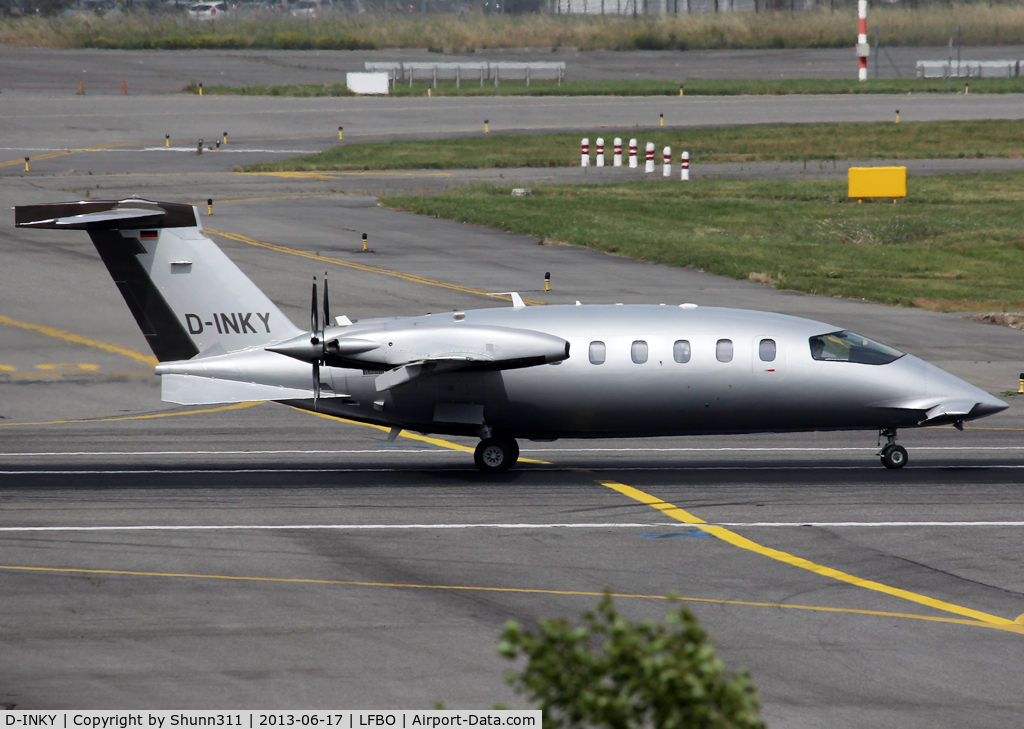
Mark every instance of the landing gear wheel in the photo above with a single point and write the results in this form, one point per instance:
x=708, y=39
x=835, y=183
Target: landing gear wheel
x=494, y=455
x=894, y=456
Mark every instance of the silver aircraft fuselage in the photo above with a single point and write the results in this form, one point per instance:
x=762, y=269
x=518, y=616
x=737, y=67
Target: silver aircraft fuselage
x=660, y=396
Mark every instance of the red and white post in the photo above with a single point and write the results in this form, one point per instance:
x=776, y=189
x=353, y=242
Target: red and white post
x=684, y=167
x=632, y=154
x=600, y=151
x=617, y=158
x=649, y=167
x=863, y=49
x=585, y=152
x=666, y=170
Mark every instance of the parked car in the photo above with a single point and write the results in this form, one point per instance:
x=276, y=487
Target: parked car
x=208, y=11
x=14, y=8
x=305, y=9
x=309, y=8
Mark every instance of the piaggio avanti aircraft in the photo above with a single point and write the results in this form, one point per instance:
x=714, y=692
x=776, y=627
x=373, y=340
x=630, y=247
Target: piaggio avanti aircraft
x=501, y=374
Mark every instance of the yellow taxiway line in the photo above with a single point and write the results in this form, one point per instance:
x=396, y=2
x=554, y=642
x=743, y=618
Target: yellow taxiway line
x=151, y=416
x=727, y=535
x=360, y=266
x=79, y=339
x=51, y=155
x=520, y=590
x=440, y=442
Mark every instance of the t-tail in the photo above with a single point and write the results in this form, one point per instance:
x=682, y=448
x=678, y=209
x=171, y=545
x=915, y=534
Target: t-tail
x=205, y=321
x=187, y=296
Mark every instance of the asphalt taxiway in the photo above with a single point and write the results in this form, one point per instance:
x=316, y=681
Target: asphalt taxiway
x=262, y=557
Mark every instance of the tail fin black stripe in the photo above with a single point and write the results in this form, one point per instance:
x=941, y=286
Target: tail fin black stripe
x=164, y=333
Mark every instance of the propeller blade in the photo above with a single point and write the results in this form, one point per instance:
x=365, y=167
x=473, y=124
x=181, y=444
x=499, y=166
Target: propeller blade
x=327, y=307
x=314, y=323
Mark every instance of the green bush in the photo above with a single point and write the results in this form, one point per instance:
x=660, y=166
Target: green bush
x=614, y=674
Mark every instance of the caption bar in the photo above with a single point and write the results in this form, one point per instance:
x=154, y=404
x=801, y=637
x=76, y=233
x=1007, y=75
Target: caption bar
x=430, y=719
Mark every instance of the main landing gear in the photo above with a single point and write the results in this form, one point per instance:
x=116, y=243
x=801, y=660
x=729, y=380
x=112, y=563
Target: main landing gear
x=493, y=455
x=893, y=456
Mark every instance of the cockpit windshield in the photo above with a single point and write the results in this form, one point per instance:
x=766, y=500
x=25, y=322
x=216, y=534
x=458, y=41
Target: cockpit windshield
x=849, y=347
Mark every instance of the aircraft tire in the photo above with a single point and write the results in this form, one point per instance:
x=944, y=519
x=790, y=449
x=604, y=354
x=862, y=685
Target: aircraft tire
x=894, y=456
x=493, y=455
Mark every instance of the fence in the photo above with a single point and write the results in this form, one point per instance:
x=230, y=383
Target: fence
x=969, y=69
x=459, y=71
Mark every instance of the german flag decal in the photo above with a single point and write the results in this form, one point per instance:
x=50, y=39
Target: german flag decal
x=151, y=234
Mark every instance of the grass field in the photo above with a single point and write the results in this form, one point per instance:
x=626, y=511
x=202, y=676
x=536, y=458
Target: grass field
x=955, y=244
x=810, y=142
x=471, y=87
x=931, y=24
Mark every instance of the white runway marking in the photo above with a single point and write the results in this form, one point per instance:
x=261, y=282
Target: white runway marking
x=382, y=448
x=192, y=148
x=207, y=149
x=28, y=471
x=758, y=450
x=585, y=525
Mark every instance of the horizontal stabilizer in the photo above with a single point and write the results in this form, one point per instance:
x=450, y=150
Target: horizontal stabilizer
x=191, y=390
x=131, y=213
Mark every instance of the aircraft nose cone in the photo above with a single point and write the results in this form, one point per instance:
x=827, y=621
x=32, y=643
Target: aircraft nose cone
x=989, y=406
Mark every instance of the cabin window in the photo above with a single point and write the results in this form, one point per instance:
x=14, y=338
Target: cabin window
x=846, y=346
x=766, y=350
x=597, y=353
x=638, y=351
x=681, y=351
x=723, y=350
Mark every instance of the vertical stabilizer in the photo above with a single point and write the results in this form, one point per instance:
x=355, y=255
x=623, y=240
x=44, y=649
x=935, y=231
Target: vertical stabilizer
x=186, y=295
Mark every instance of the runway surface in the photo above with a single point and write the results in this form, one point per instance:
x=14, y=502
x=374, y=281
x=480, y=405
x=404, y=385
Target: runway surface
x=262, y=557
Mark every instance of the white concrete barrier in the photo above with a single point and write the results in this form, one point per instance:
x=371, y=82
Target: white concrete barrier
x=649, y=167
x=585, y=152
x=367, y=83
x=632, y=154
x=599, y=159
x=666, y=170
x=617, y=157
x=458, y=70
x=684, y=167
x=968, y=69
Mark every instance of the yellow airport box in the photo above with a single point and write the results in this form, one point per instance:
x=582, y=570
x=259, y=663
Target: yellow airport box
x=878, y=182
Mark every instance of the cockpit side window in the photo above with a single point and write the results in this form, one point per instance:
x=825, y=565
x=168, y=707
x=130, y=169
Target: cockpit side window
x=846, y=346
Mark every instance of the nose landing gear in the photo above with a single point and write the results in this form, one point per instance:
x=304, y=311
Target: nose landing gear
x=493, y=455
x=893, y=456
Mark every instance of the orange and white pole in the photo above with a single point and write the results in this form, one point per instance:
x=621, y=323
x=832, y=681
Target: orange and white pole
x=600, y=152
x=862, y=40
x=585, y=152
x=632, y=154
x=617, y=158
